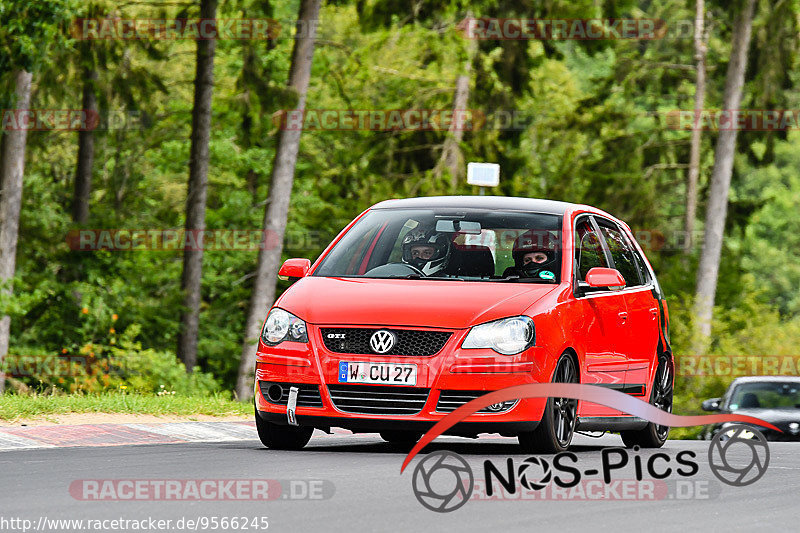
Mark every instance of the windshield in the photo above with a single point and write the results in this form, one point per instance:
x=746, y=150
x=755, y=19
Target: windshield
x=447, y=244
x=766, y=395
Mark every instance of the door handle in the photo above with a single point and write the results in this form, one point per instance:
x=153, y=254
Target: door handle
x=654, y=312
x=623, y=316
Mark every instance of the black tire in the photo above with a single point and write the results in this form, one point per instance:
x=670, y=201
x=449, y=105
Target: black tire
x=557, y=427
x=278, y=437
x=653, y=435
x=403, y=439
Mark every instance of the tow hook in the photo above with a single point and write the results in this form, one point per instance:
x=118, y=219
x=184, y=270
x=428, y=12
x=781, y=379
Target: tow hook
x=291, y=406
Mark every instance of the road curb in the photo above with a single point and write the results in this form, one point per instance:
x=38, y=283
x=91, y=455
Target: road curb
x=63, y=436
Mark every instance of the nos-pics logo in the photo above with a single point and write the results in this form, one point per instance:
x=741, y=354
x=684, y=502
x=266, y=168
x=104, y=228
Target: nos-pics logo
x=443, y=481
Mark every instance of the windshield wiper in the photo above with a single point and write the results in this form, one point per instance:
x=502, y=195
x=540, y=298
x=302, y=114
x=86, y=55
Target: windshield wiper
x=525, y=279
x=507, y=279
x=441, y=278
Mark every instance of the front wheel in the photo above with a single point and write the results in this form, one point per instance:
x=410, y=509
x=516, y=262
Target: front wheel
x=554, y=433
x=653, y=435
x=278, y=437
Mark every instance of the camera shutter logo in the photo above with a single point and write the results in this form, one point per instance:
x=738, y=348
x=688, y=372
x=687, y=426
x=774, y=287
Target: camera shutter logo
x=750, y=467
x=527, y=477
x=443, y=481
x=382, y=341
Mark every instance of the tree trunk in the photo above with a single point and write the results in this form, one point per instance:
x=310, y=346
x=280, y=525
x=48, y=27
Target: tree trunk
x=708, y=270
x=700, y=51
x=83, y=171
x=11, y=172
x=451, y=152
x=196, y=193
x=280, y=190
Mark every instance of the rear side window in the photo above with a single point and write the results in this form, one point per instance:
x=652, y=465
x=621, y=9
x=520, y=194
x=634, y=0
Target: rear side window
x=588, y=249
x=621, y=253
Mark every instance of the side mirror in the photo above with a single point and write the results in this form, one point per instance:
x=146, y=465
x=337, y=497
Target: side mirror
x=294, y=268
x=604, y=277
x=711, y=405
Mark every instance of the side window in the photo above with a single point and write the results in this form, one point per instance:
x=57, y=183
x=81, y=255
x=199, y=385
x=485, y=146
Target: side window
x=588, y=250
x=621, y=253
x=396, y=254
x=640, y=265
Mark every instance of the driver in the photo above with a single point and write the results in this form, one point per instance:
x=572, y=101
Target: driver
x=426, y=250
x=530, y=255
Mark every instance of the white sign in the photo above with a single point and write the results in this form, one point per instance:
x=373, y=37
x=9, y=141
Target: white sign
x=483, y=174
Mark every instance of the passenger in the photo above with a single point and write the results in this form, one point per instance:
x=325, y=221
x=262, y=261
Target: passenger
x=530, y=257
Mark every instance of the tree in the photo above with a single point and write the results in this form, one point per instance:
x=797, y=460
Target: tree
x=716, y=211
x=700, y=51
x=451, y=157
x=196, y=193
x=280, y=191
x=13, y=168
x=29, y=30
x=83, y=169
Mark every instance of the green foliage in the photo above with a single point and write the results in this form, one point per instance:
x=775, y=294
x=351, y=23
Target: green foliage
x=31, y=30
x=25, y=407
x=119, y=363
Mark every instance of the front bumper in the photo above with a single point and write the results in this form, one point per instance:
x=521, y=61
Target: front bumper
x=439, y=377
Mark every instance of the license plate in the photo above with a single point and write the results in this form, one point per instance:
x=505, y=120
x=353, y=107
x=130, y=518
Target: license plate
x=383, y=373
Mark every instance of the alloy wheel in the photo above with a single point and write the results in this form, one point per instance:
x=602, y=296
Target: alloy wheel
x=565, y=409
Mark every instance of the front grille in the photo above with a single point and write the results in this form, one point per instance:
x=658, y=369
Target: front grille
x=410, y=342
x=450, y=400
x=376, y=400
x=307, y=394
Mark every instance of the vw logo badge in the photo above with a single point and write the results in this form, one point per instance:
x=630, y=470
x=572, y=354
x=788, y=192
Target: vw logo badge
x=382, y=341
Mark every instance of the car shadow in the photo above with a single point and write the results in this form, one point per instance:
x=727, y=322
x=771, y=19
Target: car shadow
x=459, y=448
x=477, y=447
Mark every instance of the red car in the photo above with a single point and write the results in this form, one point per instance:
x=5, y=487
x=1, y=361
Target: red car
x=423, y=304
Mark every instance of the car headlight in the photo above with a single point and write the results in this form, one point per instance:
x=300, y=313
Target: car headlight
x=745, y=434
x=507, y=336
x=283, y=326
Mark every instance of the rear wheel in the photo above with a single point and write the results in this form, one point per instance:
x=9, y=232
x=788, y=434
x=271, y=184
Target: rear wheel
x=653, y=435
x=278, y=437
x=554, y=433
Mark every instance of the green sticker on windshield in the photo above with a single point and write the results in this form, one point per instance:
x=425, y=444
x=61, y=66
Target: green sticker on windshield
x=546, y=274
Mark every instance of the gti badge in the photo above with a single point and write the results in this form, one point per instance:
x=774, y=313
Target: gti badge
x=382, y=341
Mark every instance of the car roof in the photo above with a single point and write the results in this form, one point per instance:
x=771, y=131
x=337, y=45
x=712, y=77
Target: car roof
x=510, y=203
x=752, y=379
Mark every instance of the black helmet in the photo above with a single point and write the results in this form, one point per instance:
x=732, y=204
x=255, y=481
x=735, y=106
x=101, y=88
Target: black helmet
x=532, y=242
x=440, y=243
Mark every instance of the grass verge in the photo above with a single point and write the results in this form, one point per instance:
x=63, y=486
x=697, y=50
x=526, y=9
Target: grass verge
x=16, y=406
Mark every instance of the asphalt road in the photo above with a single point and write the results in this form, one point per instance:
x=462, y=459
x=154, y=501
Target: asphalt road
x=369, y=494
